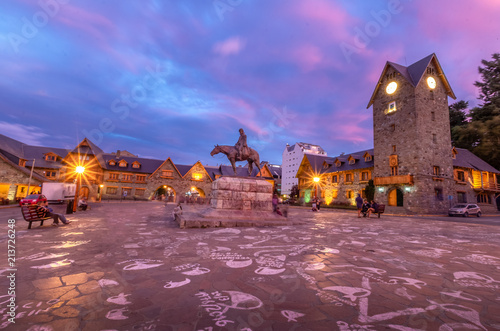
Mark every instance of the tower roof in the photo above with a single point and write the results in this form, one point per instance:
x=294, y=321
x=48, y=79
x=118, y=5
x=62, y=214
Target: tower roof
x=414, y=73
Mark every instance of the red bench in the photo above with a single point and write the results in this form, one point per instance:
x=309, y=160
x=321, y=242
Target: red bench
x=30, y=215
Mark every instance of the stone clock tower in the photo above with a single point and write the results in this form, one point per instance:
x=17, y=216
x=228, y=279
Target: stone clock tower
x=413, y=170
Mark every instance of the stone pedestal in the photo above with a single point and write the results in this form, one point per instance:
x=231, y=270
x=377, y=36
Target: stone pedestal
x=236, y=201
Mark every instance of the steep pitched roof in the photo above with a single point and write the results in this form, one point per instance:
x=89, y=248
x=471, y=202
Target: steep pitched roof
x=148, y=166
x=466, y=159
x=24, y=170
x=414, y=73
x=12, y=146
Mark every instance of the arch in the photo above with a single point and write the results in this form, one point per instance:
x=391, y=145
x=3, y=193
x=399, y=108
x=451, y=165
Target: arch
x=195, y=192
x=84, y=192
x=166, y=192
x=396, y=198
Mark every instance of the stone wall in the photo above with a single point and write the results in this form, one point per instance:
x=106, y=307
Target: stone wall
x=242, y=194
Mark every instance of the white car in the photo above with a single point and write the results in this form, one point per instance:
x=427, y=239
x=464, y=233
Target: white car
x=465, y=210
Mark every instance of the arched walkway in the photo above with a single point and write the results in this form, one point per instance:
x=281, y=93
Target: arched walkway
x=396, y=198
x=165, y=192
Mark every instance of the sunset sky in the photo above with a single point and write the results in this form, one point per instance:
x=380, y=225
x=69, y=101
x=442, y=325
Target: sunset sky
x=173, y=78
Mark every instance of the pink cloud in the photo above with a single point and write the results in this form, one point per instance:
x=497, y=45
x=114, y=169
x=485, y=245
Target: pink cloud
x=307, y=57
x=229, y=46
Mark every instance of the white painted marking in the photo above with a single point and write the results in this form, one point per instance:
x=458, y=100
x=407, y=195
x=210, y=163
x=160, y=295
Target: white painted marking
x=120, y=299
x=239, y=264
x=57, y=264
x=107, y=282
x=352, y=293
x=291, y=316
x=172, y=284
x=196, y=271
x=117, y=314
x=269, y=271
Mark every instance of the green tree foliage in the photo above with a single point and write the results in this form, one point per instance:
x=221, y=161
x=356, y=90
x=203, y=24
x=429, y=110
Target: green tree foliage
x=480, y=133
x=370, y=190
x=294, y=194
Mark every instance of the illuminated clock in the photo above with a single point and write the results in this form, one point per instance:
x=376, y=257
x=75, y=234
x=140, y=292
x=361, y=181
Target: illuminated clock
x=431, y=82
x=391, y=87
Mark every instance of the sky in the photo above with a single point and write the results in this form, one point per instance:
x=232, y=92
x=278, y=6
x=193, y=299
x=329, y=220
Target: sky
x=174, y=78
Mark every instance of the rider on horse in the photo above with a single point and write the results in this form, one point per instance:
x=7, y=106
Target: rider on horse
x=241, y=146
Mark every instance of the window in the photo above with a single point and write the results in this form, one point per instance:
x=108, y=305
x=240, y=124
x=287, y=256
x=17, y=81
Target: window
x=50, y=174
x=114, y=176
x=22, y=162
x=363, y=193
x=438, y=194
x=433, y=116
x=126, y=178
x=84, y=157
x=394, y=171
x=167, y=173
x=393, y=127
x=349, y=194
x=436, y=171
x=335, y=194
x=348, y=178
x=112, y=162
x=136, y=165
x=335, y=179
x=365, y=176
x=122, y=164
x=140, y=178
x=434, y=138
x=140, y=192
x=394, y=148
x=392, y=107
x=49, y=157
x=111, y=190
x=483, y=198
x=461, y=197
x=352, y=161
x=368, y=158
x=461, y=176
x=126, y=191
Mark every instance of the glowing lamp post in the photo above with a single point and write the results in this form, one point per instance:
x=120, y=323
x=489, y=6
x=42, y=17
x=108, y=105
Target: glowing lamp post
x=79, y=171
x=316, y=181
x=100, y=192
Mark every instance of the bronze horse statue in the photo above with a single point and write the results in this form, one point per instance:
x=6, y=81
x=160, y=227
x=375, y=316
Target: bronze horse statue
x=230, y=151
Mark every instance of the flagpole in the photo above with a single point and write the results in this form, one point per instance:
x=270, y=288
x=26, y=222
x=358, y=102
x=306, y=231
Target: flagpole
x=31, y=175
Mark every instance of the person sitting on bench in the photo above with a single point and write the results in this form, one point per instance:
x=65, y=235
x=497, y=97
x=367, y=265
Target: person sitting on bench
x=82, y=203
x=44, y=211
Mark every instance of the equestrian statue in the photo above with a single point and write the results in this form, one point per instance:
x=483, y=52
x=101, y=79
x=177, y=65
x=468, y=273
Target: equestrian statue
x=239, y=152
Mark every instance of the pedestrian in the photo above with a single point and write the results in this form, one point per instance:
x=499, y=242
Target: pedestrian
x=318, y=203
x=359, y=204
x=82, y=203
x=278, y=211
x=275, y=202
x=177, y=211
x=314, y=205
x=44, y=211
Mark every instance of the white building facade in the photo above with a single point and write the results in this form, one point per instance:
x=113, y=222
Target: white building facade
x=291, y=159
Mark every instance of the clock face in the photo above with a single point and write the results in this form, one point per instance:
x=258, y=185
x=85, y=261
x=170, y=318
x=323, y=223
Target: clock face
x=431, y=82
x=391, y=87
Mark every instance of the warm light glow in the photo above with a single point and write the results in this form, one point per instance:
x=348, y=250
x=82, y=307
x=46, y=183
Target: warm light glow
x=391, y=88
x=193, y=188
x=80, y=169
x=101, y=186
x=316, y=179
x=164, y=186
x=431, y=82
x=197, y=176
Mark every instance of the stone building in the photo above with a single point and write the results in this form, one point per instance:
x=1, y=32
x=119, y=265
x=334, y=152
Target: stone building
x=107, y=176
x=413, y=165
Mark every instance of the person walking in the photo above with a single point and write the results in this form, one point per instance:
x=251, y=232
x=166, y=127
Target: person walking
x=275, y=202
x=359, y=204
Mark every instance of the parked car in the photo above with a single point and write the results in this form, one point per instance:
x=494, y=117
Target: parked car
x=465, y=210
x=32, y=199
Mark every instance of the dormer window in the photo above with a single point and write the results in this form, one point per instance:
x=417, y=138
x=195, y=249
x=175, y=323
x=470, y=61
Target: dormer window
x=50, y=157
x=122, y=164
x=112, y=162
x=22, y=162
x=454, y=153
x=368, y=158
x=136, y=165
x=352, y=161
x=338, y=163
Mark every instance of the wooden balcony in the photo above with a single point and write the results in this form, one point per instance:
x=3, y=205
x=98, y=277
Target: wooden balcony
x=487, y=186
x=391, y=180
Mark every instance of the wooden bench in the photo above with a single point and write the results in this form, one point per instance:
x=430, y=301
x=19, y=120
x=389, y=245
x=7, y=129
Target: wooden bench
x=30, y=215
x=380, y=210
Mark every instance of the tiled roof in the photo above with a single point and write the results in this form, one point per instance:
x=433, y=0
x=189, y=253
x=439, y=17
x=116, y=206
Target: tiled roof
x=38, y=153
x=24, y=170
x=466, y=159
x=148, y=166
x=12, y=146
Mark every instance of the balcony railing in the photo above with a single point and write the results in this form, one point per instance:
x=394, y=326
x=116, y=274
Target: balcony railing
x=489, y=186
x=390, y=180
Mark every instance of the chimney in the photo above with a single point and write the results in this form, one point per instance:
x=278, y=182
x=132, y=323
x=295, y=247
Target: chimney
x=118, y=154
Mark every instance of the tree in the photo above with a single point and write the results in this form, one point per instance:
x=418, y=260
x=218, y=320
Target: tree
x=294, y=194
x=458, y=119
x=370, y=190
x=481, y=135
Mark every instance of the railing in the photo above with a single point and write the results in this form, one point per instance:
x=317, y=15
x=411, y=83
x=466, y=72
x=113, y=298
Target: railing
x=389, y=180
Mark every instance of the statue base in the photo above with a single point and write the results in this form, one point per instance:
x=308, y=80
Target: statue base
x=236, y=201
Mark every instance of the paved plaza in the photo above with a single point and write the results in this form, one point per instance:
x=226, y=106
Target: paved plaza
x=127, y=266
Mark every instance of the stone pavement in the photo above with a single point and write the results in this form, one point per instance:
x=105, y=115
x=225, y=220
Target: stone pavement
x=127, y=266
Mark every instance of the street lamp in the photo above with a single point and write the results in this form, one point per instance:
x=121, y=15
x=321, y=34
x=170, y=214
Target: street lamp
x=100, y=192
x=79, y=171
x=316, y=181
